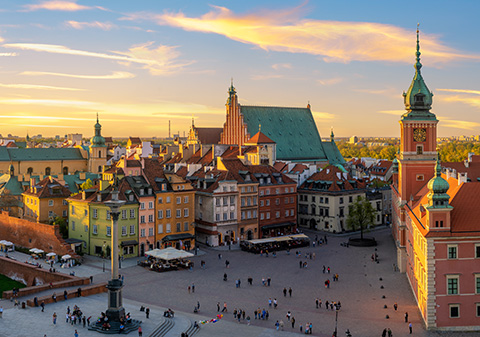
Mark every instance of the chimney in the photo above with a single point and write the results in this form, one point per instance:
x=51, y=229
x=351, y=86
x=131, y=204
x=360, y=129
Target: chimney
x=462, y=178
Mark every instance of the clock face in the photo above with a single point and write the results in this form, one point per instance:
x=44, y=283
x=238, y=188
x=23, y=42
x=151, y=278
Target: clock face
x=419, y=134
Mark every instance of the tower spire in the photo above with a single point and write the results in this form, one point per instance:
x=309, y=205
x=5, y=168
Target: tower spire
x=97, y=117
x=418, y=65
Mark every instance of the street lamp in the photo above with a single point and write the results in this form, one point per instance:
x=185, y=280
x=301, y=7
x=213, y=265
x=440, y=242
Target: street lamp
x=103, y=256
x=337, y=309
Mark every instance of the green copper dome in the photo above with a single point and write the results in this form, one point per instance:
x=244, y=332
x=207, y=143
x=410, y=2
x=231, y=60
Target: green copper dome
x=98, y=140
x=395, y=165
x=438, y=188
x=418, y=98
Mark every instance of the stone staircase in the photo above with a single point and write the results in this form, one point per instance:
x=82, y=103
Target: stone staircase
x=163, y=328
x=191, y=330
x=115, y=327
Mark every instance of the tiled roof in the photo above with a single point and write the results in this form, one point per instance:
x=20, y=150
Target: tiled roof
x=381, y=168
x=293, y=129
x=280, y=166
x=473, y=169
x=16, y=154
x=208, y=135
x=298, y=168
x=332, y=179
x=260, y=138
x=12, y=145
x=49, y=188
x=135, y=140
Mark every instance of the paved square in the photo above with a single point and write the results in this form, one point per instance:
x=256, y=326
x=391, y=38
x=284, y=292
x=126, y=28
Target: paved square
x=358, y=290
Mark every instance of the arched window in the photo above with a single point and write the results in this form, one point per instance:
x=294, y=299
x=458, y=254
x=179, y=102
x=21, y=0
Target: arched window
x=47, y=171
x=99, y=154
x=65, y=170
x=30, y=170
x=313, y=210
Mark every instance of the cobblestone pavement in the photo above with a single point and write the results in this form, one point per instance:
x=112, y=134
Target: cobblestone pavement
x=358, y=289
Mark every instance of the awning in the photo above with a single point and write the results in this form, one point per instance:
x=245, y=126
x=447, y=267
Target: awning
x=300, y=236
x=278, y=225
x=169, y=253
x=129, y=243
x=73, y=241
x=176, y=237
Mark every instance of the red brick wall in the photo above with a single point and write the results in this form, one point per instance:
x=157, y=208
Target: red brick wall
x=31, y=234
x=86, y=291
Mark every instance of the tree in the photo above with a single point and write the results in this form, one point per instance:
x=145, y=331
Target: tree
x=361, y=215
x=63, y=226
x=86, y=185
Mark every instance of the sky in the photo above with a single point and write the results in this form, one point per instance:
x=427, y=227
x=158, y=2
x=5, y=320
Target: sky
x=143, y=63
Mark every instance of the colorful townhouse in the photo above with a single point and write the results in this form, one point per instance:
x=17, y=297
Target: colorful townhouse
x=174, y=207
x=89, y=220
x=44, y=201
x=436, y=219
x=146, y=212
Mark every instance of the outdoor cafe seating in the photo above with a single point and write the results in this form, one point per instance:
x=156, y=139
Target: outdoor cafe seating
x=167, y=259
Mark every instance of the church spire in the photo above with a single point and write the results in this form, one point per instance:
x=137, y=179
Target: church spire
x=332, y=136
x=418, y=98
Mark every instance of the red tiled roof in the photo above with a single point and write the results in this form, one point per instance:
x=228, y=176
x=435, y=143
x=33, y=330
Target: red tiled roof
x=182, y=172
x=473, y=169
x=208, y=135
x=299, y=168
x=260, y=138
x=135, y=140
x=12, y=145
x=336, y=177
x=49, y=189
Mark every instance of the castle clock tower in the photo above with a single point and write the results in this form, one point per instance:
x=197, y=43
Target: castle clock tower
x=418, y=141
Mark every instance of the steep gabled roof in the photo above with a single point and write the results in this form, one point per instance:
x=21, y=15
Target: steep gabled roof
x=260, y=138
x=292, y=129
x=208, y=135
x=332, y=179
x=48, y=188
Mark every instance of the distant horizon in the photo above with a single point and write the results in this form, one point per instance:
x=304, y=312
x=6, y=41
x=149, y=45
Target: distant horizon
x=142, y=64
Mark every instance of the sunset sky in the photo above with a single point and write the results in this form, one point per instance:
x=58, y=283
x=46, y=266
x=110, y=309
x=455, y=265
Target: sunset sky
x=142, y=63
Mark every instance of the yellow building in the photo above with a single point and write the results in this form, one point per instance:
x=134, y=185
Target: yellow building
x=45, y=201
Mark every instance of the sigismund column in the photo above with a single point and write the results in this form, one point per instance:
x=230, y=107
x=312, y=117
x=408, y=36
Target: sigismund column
x=115, y=309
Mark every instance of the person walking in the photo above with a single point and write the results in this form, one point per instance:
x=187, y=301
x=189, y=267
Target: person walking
x=410, y=328
x=284, y=292
x=384, y=333
x=227, y=263
x=292, y=320
x=140, y=332
x=406, y=317
x=75, y=334
x=218, y=306
x=290, y=291
x=43, y=306
x=147, y=312
x=395, y=306
x=193, y=287
x=224, y=307
x=389, y=332
x=54, y=316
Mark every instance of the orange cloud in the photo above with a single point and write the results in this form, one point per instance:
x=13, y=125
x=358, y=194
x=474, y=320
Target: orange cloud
x=35, y=86
x=94, y=24
x=334, y=41
x=461, y=91
x=67, y=6
x=113, y=76
x=458, y=124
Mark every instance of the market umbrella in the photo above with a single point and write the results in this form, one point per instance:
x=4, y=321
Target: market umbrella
x=51, y=254
x=169, y=253
x=66, y=257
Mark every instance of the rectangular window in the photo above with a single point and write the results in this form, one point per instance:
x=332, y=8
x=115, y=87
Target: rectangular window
x=243, y=215
x=160, y=229
x=109, y=231
x=95, y=229
x=313, y=198
x=179, y=227
x=225, y=201
x=50, y=213
x=232, y=200
x=142, y=205
x=185, y=226
x=454, y=310
x=86, y=228
x=477, y=251
x=179, y=200
x=286, y=212
x=267, y=202
x=185, y=212
x=178, y=213
x=132, y=214
x=286, y=200
x=73, y=210
x=267, y=191
x=168, y=214
x=200, y=200
x=232, y=215
x=350, y=199
x=225, y=216
x=291, y=189
x=168, y=228
x=160, y=200
x=185, y=200
x=420, y=177
x=261, y=203
x=73, y=225
x=64, y=202
x=277, y=191
x=452, y=251
x=217, y=217
x=150, y=218
x=124, y=214
x=260, y=192
x=254, y=201
x=478, y=309
x=150, y=231
x=108, y=215
x=124, y=230
x=268, y=215
x=142, y=232
x=150, y=204
x=168, y=200
x=419, y=149
x=50, y=202
x=452, y=285
x=254, y=214
x=277, y=214
x=291, y=212
x=341, y=200
x=243, y=202
x=249, y=215
x=64, y=213
x=277, y=201
x=262, y=216
x=477, y=284
x=326, y=200
x=142, y=219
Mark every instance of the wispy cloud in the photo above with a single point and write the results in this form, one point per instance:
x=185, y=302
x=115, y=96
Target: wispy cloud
x=322, y=115
x=47, y=118
x=8, y=54
x=48, y=102
x=461, y=91
x=73, y=127
x=330, y=81
x=397, y=113
x=115, y=75
x=469, y=100
x=35, y=86
x=334, y=41
x=93, y=24
x=158, y=61
x=278, y=66
x=67, y=6
x=265, y=77
x=458, y=124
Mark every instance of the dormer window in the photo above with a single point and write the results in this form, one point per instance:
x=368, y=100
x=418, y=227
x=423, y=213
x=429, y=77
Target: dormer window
x=149, y=191
x=130, y=197
x=142, y=191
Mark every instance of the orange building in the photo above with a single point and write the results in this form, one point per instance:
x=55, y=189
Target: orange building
x=435, y=219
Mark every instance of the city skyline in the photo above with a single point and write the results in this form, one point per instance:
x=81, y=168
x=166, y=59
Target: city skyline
x=140, y=65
